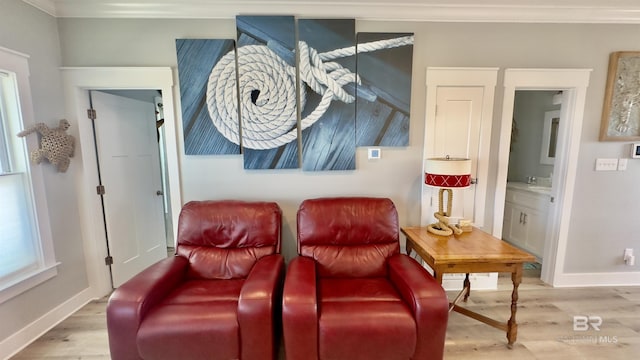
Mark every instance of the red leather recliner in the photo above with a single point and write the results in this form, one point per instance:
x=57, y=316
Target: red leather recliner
x=218, y=298
x=351, y=294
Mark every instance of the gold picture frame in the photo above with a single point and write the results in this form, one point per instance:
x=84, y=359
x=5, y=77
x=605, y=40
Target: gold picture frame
x=621, y=110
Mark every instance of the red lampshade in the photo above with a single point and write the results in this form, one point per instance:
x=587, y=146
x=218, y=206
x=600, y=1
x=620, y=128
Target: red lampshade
x=447, y=172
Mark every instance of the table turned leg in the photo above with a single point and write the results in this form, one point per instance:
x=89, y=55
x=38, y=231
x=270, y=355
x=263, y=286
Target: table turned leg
x=512, y=326
x=467, y=286
x=408, y=247
x=437, y=274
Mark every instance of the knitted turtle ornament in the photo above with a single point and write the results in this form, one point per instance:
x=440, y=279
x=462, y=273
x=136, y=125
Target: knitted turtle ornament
x=55, y=144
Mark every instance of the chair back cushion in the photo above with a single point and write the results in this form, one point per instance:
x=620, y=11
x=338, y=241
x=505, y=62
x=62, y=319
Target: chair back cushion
x=348, y=237
x=223, y=239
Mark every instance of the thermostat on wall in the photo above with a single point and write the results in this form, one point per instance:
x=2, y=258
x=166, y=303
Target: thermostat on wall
x=635, y=151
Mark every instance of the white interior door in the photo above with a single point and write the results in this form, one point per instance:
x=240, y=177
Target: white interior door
x=459, y=111
x=457, y=129
x=127, y=147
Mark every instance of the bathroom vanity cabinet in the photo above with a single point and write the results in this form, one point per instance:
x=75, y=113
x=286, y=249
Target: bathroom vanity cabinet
x=525, y=217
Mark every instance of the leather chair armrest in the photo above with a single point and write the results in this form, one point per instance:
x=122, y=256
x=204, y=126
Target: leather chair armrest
x=428, y=301
x=129, y=303
x=300, y=310
x=259, y=308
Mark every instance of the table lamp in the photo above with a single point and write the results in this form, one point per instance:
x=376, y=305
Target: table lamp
x=446, y=173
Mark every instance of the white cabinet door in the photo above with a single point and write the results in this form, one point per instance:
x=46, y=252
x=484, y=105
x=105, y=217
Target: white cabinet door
x=535, y=227
x=516, y=230
x=525, y=221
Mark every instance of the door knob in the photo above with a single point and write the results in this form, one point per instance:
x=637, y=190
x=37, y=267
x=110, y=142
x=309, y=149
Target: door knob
x=159, y=193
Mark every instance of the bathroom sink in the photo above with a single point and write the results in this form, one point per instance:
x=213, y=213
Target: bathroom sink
x=546, y=190
x=539, y=187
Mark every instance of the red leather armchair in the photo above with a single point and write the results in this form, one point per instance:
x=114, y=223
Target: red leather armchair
x=351, y=294
x=218, y=298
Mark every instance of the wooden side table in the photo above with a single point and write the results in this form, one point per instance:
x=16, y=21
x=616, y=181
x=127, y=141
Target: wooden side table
x=471, y=252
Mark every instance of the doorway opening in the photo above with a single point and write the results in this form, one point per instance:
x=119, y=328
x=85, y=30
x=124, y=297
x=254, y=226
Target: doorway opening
x=573, y=84
x=532, y=152
x=77, y=82
x=128, y=127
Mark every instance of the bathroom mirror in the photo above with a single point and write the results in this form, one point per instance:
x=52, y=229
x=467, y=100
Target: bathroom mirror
x=549, y=137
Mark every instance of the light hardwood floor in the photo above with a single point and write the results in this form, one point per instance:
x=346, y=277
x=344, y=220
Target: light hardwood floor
x=545, y=318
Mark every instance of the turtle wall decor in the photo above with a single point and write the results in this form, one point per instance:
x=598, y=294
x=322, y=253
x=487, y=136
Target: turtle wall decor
x=56, y=145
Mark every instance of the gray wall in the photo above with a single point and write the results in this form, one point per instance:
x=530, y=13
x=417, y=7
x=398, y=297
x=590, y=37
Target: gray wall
x=30, y=31
x=600, y=198
x=528, y=111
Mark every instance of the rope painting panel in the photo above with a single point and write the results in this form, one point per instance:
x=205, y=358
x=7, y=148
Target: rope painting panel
x=268, y=95
x=209, y=128
x=384, y=63
x=257, y=110
x=327, y=67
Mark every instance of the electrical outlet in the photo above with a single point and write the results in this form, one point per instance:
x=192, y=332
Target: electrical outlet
x=628, y=257
x=606, y=164
x=622, y=164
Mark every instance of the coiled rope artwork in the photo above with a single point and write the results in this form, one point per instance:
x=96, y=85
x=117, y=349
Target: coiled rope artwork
x=268, y=92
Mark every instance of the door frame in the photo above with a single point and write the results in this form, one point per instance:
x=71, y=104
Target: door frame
x=485, y=78
x=573, y=83
x=77, y=81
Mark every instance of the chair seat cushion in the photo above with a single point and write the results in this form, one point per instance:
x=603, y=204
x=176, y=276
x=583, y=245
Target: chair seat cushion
x=191, y=331
x=197, y=291
x=379, y=326
x=357, y=289
x=196, y=320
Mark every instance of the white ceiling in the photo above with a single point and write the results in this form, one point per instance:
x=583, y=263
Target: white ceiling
x=546, y=11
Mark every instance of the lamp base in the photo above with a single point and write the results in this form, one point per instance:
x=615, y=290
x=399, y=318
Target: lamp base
x=442, y=227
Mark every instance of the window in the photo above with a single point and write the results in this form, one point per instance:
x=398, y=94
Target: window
x=26, y=258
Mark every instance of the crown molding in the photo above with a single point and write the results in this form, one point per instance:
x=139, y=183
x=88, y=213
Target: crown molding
x=47, y=6
x=519, y=11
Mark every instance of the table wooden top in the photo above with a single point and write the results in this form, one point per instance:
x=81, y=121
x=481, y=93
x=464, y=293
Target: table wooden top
x=470, y=247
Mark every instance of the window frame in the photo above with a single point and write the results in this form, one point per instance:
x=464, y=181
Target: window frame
x=17, y=65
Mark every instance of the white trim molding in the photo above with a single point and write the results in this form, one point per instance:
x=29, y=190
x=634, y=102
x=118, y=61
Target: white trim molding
x=521, y=11
x=597, y=279
x=76, y=83
x=21, y=339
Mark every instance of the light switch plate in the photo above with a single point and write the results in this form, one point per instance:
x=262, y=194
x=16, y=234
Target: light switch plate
x=606, y=164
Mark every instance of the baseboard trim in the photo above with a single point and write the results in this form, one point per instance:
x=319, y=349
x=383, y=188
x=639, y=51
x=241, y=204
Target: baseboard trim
x=18, y=341
x=597, y=279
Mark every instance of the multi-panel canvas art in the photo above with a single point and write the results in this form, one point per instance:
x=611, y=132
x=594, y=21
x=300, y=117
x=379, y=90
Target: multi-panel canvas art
x=268, y=95
x=327, y=66
x=314, y=83
x=209, y=129
x=384, y=92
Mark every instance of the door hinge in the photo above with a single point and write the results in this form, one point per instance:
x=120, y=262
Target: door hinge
x=100, y=189
x=91, y=114
x=108, y=260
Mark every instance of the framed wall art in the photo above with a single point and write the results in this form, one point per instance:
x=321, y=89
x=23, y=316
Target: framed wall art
x=208, y=130
x=621, y=110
